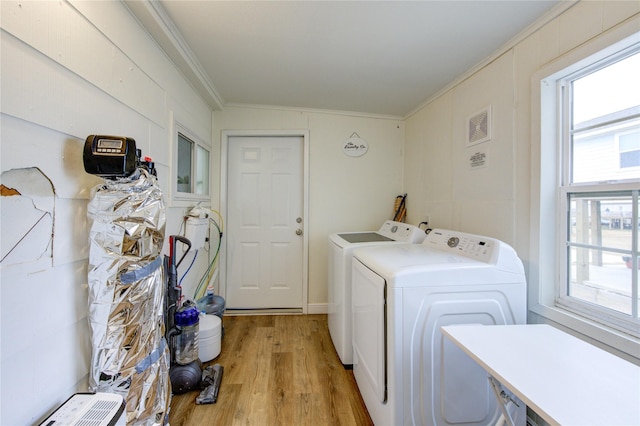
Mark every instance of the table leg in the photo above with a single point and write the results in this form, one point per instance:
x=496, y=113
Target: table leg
x=503, y=400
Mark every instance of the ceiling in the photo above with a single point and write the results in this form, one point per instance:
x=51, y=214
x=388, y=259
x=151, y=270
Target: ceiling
x=374, y=57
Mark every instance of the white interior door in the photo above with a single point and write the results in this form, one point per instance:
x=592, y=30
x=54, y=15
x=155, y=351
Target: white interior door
x=265, y=222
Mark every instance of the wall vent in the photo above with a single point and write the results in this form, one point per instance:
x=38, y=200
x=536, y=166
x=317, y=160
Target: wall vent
x=479, y=127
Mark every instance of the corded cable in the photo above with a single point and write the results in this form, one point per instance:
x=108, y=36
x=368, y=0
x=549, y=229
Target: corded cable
x=189, y=268
x=207, y=276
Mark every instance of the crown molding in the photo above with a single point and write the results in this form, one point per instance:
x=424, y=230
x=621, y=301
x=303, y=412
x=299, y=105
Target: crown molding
x=156, y=22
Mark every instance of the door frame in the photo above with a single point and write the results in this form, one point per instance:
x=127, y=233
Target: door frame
x=224, y=157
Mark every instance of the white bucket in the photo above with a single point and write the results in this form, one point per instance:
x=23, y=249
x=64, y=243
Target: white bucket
x=209, y=337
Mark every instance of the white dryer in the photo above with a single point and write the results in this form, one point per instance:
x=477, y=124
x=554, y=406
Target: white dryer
x=407, y=373
x=341, y=247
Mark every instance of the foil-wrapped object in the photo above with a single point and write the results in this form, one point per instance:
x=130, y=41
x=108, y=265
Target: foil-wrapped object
x=126, y=277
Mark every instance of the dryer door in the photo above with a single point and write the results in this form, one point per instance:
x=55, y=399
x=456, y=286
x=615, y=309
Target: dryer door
x=369, y=332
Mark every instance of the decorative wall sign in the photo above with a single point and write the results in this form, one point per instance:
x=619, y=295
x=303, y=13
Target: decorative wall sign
x=355, y=146
x=478, y=160
x=479, y=127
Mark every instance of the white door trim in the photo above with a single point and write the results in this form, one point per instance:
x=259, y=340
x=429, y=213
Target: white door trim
x=226, y=134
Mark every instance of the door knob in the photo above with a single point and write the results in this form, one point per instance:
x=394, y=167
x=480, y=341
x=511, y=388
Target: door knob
x=298, y=231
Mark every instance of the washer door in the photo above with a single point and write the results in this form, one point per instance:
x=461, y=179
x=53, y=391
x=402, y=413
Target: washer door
x=369, y=330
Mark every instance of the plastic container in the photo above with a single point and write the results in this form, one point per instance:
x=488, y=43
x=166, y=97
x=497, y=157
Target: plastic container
x=212, y=304
x=187, y=320
x=210, y=337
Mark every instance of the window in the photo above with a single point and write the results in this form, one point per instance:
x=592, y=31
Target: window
x=192, y=167
x=597, y=117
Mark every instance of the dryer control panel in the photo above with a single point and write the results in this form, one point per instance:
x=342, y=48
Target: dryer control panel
x=473, y=246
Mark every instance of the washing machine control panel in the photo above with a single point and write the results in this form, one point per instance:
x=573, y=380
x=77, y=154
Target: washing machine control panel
x=403, y=232
x=468, y=245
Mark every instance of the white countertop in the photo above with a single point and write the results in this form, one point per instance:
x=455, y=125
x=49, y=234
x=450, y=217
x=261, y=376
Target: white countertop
x=565, y=380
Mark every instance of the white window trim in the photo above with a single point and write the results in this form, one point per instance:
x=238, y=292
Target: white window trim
x=544, y=270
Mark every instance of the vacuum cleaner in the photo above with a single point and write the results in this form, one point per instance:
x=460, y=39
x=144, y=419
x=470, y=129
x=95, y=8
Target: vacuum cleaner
x=185, y=371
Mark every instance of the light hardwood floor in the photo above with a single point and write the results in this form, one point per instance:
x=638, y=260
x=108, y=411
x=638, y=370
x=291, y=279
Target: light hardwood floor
x=278, y=370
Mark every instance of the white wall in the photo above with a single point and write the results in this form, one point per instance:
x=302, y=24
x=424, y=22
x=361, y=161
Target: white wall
x=345, y=193
x=438, y=173
x=70, y=70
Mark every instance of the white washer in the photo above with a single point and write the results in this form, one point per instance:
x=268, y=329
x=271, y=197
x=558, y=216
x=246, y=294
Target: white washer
x=407, y=373
x=341, y=247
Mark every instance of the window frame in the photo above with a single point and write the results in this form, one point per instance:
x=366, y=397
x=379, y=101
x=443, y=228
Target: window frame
x=567, y=186
x=546, y=265
x=181, y=130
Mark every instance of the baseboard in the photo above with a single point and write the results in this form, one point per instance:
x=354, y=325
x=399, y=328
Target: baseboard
x=317, y=308
x=274, y=311
x=312, y=309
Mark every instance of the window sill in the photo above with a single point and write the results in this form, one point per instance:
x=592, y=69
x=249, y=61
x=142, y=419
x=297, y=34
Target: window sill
x=184, y=199
x=613, y=341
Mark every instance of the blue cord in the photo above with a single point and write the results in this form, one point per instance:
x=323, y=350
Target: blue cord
x=189, y=268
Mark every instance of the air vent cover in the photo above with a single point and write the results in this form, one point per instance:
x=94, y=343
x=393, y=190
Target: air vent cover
x=479, y=127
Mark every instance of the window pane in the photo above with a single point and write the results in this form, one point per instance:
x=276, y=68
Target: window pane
x=611, y=89
x=600, y=277
x=600, y=249
x=185, y=149
x=603, y=155
x=202, y=173
x=605, y=126
x=602, y=220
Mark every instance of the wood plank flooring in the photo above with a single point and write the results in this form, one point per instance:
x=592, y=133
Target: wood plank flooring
x=278, y=370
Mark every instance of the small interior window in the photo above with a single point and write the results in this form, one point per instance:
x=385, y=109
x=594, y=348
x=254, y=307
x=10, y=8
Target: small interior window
x=192, y=174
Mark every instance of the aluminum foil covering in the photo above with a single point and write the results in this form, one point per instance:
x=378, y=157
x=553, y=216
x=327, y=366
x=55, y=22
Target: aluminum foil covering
x=126, y=277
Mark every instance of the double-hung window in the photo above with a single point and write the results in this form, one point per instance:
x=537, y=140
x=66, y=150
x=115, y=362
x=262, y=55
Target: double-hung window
x=598, y=188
